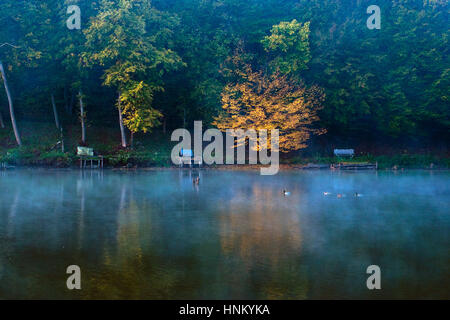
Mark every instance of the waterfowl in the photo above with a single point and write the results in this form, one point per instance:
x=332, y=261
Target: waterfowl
x=358, y=194
x=341, y=195
x=326, y=193
x=286, y=193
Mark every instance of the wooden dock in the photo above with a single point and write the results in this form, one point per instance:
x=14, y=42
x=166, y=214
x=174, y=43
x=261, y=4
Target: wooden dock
x=5, y=166
x=354, y=166
x=88, y=162
x=313, y=166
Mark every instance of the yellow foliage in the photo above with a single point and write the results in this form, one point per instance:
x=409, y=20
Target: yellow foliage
x=136, y=104
x=272, y=102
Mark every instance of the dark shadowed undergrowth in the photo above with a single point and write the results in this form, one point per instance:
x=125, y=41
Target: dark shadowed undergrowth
x=42, y=147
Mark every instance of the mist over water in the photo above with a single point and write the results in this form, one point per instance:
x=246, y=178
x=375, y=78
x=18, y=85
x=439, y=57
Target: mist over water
x=155, y=235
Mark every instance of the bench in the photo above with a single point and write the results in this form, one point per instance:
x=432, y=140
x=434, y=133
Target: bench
x=187, y=157
x=87, y=155
x=344, y=153
x=5, y=166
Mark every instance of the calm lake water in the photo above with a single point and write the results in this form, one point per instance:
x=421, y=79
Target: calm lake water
x=154, y=235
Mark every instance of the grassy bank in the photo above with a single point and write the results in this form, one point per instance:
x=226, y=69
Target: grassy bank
x=41, y=148
x=399, y=161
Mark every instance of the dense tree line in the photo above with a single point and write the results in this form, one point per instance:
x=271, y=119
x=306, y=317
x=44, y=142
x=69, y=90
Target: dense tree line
x=141, y=64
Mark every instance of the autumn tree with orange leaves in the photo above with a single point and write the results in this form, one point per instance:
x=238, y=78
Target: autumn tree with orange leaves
x=272, y=102
x=276, y=98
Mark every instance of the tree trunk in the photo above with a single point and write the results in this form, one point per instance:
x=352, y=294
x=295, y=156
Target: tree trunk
x=164, y=126
x=11, y=107
x=55, y=112
x=122, y=129
x=131, y=139
x=66, y=100
x=71, y=103
x=62, y=141
x=82, y=117
x=2, y=124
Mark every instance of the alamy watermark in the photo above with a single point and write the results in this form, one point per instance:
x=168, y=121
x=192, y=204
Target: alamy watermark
x=74, y=21
x=374, y=280
x=74, y=280
x=258, y=141
x=374, y=21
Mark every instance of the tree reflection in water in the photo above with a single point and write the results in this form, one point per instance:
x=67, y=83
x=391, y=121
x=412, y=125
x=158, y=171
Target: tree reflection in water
x=155, y=235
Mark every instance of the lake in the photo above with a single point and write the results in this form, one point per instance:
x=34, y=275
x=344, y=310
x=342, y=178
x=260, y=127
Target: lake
x=153, y=234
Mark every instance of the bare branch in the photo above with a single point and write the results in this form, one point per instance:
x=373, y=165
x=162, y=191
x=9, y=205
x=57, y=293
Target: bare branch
x=8, y=44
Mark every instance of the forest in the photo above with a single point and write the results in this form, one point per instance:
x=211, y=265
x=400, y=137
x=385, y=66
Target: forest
x=132, y=71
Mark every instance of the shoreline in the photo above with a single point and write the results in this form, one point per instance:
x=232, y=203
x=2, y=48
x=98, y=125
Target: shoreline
x=229, y=167
x=159, y=158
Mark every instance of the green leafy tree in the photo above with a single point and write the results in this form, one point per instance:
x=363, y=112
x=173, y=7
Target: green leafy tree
x=127, y=39
x=289, y=43
x=136, y=104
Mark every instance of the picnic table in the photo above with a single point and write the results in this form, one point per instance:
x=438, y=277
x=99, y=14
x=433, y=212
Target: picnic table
x=187, y=157
x=86, y=155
